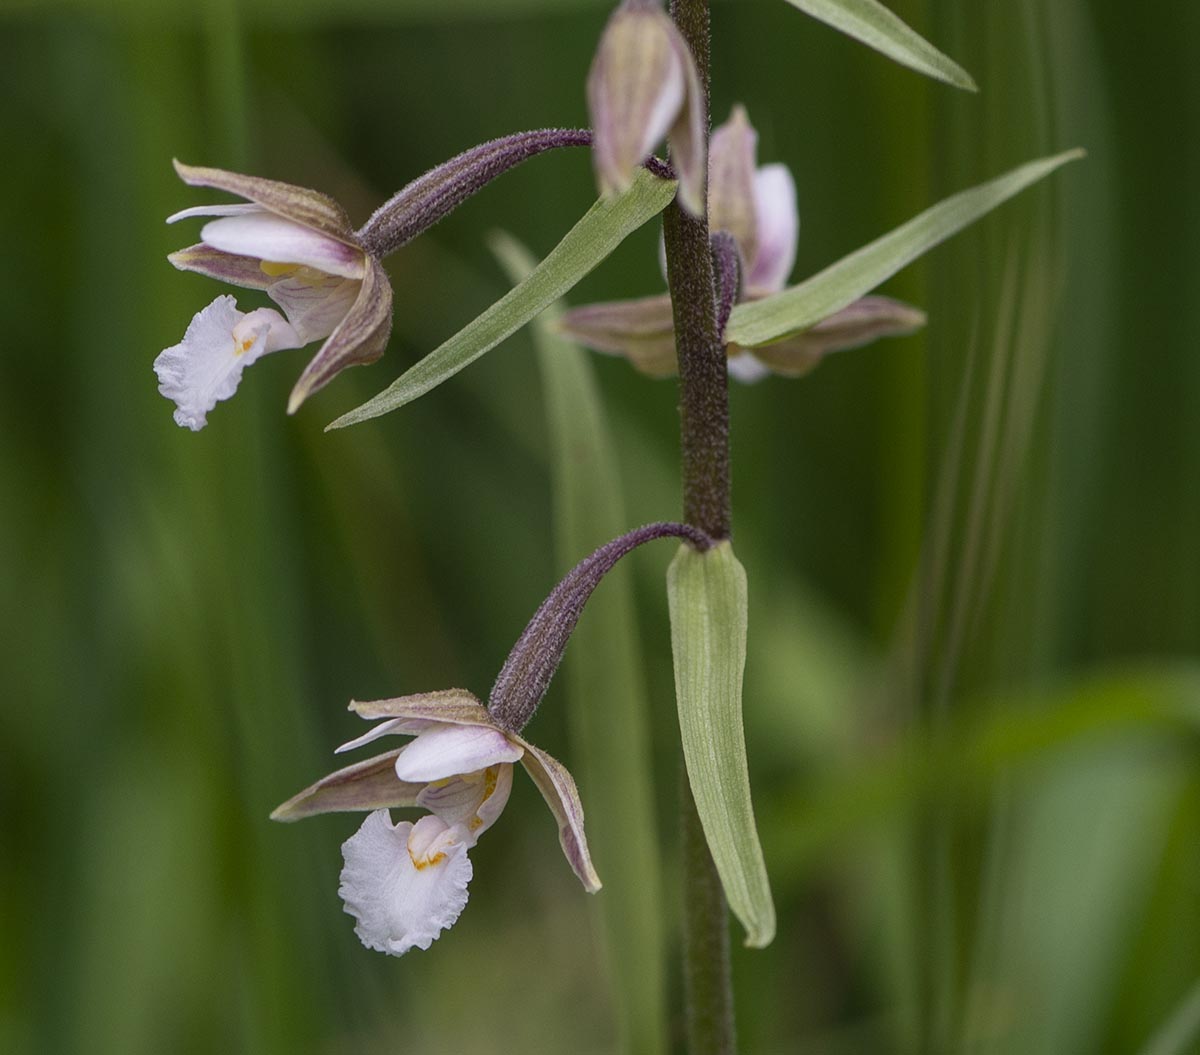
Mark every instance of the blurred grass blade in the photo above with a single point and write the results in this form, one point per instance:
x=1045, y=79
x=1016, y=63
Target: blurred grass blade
x=870, y=23
x=603, y=227
x=1180, y=1033
x=605, y=689
x=707, y=597
x=799, y=307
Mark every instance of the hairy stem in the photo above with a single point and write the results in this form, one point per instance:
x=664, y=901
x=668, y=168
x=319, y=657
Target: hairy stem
x=704, y=428
x=703, y=375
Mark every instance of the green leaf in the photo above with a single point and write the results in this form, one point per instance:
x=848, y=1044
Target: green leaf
x=792, y=310
x=707, y=597
x=603, y=227
x=870, y=23
x=606, y=694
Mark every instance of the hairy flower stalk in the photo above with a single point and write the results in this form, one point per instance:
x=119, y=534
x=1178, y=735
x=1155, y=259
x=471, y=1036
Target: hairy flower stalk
x=526, y=674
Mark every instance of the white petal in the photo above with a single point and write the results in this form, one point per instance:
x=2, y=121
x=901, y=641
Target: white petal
x=314, y=302
x=214, y=210
x=206, y=366
x=747, y=369
x=393, y=726
x=778, y=229
x=447, y=750
x=472, y=800
x=404, y=884
x=270, y=237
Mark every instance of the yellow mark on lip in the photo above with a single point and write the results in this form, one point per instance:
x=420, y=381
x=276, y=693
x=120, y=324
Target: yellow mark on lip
x=243, y=346
x=420, y=864
x=490, y=778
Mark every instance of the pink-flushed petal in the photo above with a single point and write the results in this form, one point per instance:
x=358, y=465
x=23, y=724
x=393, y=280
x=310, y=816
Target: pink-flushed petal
x=558, y=789
x=448, y=706
x=314, y=303
x=405, y=883
x=731, y=182
x=447, y=750
x=308, y=207
x=778, y=230
x=360, y=337
x=865, y=320
x=271, y=237
x=368, y=785
x=391, y=727
x=641, y=330
x=687, y=135
x=635, y=90
x=472, y=801
x=206, y=366
x=239, y=209
x=236, y=270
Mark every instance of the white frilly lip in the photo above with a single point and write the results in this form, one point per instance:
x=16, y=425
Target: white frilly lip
x=220, y=342
x=404, y=883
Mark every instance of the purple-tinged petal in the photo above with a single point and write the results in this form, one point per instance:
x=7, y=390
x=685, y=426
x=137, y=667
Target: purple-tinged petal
x=391, y=727
x=635, y=90
x=239, y=209
x=558, y=789
x=237, y=270
x=360, y=337
x=687, y=135
x=368, y=785
x=641, y=330
x=443, y=751
x=448, y=706
x=308, y=207
x=731, y=182
x=206, y=366
x=861, y=322
x=405, y=883
x=314, y=303
x=471, y=801
x=270, y=237
x=778, y=230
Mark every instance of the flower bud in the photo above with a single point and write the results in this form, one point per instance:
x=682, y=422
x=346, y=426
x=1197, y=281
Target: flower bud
x=642, y=86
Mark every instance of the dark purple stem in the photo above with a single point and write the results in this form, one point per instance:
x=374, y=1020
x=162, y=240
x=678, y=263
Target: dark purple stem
x=526, y=674
x=728, y=265
x=430, y=198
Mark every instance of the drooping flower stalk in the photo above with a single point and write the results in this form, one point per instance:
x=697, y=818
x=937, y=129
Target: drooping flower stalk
x=526, y=674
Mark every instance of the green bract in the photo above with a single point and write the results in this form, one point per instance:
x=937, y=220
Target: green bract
x=603, y=227
x=707, y=597
x=869, y=22
x=797, y=308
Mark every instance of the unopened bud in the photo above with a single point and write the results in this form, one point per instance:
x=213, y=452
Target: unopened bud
x=643, y=85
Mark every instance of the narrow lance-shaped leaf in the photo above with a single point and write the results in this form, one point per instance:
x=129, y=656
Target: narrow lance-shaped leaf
x=606, y=696
x=601, y=230
x=870, y=23
x=816, y=298
x=707, y=597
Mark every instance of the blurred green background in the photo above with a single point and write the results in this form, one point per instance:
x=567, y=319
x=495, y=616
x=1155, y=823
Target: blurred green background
x=972, y=696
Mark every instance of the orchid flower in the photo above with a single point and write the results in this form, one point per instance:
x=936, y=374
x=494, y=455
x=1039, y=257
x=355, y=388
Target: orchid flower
x=643, y=85
x=404, y=883
x=757, y=207
x=298, y=247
